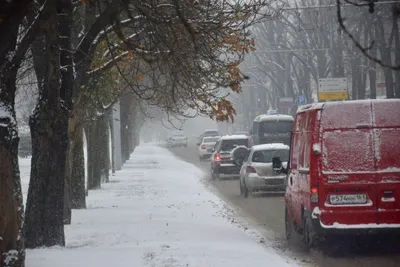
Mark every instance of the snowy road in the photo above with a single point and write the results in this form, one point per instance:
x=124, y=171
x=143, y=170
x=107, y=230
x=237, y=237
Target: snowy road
x=156, y=212
x=266, y=213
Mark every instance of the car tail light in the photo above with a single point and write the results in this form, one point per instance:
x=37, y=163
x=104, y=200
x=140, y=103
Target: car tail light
x=314, y=194
x=217, y=157
x=250, y=169
x=203, y=147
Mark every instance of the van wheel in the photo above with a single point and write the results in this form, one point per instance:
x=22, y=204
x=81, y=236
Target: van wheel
x=309, y=236
x=288, y=225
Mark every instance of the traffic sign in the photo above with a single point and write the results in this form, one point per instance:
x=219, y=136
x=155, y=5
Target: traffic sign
x=301, y=100
x=285, y=102
x=332, y=89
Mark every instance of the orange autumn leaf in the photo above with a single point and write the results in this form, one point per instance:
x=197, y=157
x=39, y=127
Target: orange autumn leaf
x=140, y=77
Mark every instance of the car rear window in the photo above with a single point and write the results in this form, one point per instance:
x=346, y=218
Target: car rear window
x=230, y=144
x=265, y=156
x=210, y=140
x=211, y=133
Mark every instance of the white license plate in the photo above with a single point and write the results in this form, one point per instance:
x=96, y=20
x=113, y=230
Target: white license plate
x=348, y=199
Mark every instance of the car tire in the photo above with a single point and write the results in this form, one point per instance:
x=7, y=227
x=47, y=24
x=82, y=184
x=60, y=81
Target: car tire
x=213, y=176
x=288, y=225
x=309, y=236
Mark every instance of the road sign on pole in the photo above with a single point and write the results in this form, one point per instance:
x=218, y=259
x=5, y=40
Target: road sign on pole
x=285, y=102
x=301, y=100
x=332, y=89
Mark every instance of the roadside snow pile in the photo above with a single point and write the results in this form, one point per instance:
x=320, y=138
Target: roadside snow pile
x=155, y=212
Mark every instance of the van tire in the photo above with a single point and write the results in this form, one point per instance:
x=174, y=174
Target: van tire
x=288, y=225
x=309, y=236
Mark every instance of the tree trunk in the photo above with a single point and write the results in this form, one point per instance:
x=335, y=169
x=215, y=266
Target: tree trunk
x=12, y=252
x=397, y=54
x=125, y=108
x=104, y=148
x=67, y=84
x=49, y=130
x=372, y=63
x=111, y=124
x=94, y=177
x=338, y=71
x=67, y=202
x=77, y=172
x=385, y=55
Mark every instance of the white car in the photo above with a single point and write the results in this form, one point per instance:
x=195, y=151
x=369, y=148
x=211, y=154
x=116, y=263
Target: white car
x=206, y=147
x=257, y=173
x=177, y=140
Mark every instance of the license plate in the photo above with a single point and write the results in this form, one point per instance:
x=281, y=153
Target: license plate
x=348, y=199
x=273, y=181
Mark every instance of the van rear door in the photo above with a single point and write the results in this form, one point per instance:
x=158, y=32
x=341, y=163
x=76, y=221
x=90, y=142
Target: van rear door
x=387, y=152
x=347, y=186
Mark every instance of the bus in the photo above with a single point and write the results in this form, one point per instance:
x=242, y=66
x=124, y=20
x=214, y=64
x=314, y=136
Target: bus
x=274, y=128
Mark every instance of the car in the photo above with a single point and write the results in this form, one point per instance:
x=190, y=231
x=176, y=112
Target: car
x=210, y=132
x=178, y=139
x=241, y=132
x=344, y=170
x=222, y=162
x=257, y=172
x=206, y=147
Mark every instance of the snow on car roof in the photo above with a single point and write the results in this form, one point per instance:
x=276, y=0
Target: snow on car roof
x=233, y=137
x=270, y=146
x=275, y=117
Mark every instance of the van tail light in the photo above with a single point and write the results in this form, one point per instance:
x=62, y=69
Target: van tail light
x=203, y=147
x=314, y=194
x=250, y=169
x=217, y=158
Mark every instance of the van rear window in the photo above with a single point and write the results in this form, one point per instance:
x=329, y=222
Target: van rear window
x=273, y=127
x=348, y=151
x=387, y=147
x=344, y=115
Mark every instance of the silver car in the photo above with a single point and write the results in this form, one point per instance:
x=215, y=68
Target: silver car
x=257, y=173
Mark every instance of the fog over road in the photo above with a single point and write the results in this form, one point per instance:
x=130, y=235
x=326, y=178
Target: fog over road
x=266, y=213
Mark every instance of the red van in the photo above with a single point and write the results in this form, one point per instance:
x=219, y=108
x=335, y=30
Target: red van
x=344, y=170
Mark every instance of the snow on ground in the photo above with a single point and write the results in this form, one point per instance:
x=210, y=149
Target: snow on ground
x=155, y=212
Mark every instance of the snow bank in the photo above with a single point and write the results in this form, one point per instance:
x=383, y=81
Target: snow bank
x=155, y=212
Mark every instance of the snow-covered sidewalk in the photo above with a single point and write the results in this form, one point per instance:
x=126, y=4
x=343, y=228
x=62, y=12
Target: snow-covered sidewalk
x=155, y=212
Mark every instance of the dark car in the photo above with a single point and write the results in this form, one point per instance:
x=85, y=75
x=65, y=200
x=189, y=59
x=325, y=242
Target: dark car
x=222, y=161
